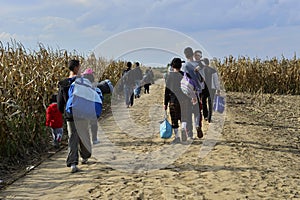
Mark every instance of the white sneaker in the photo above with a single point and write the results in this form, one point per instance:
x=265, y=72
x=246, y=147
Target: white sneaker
x=74, y=168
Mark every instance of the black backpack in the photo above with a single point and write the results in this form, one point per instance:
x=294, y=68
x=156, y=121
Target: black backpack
x=105, y=86
x=63, y=93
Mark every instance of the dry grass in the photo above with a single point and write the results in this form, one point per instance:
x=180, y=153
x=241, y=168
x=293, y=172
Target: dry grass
x=256, y=75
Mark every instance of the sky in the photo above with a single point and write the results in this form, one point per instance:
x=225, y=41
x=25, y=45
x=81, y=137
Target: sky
x=251, y=28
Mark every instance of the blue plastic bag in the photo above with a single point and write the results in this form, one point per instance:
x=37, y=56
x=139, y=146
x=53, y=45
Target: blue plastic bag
x=165, y=129
x=219, y=104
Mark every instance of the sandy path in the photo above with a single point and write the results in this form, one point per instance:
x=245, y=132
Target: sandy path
x=257, y=156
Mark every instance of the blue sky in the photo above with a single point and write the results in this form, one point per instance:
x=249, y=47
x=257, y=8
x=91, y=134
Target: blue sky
x=254, y=28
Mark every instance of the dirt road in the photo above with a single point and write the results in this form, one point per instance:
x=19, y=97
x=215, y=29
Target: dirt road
x=255, y=155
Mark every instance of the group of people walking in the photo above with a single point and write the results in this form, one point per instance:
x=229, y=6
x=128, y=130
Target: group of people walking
x=133, y=80
x=188, y=108
x=80, y=100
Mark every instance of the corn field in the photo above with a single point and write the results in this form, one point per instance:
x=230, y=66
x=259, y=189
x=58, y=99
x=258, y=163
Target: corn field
x=27, y=81
x=29, y=78
x=255, y=75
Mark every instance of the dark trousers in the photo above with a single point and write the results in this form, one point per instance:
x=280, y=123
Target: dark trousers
x=131, y=99
x=207, y=103
x=175, y=113
x=179, y=112
x=147, y=88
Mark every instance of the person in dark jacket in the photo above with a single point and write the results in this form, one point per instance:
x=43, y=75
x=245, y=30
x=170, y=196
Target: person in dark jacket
x=178, y=102
x=212, y=86
x=74, y=143
x=128, y=84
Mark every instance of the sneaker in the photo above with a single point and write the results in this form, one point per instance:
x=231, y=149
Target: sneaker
x=183, y=135
x=176, y=141
x=84, y=161
x=199, y=132
x=74, y=168
x=96, y=141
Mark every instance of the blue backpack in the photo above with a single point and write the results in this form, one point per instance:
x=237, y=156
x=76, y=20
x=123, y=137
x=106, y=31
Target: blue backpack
x=85, y=101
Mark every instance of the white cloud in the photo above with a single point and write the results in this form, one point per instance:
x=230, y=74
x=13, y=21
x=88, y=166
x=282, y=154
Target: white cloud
x=231, y=26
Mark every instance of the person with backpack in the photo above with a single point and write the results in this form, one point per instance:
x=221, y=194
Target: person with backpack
x=75, y=144
x=85, y=106
x=196, y=107
x=54, y=120
x=178, y=102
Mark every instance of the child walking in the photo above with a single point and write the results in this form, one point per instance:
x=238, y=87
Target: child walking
x=54, y=120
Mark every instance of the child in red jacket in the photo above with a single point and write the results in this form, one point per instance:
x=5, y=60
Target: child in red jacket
x=54, y=120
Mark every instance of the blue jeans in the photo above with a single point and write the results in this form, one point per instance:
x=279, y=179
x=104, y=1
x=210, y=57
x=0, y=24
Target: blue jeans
x=56, y=132
x=137, y=89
